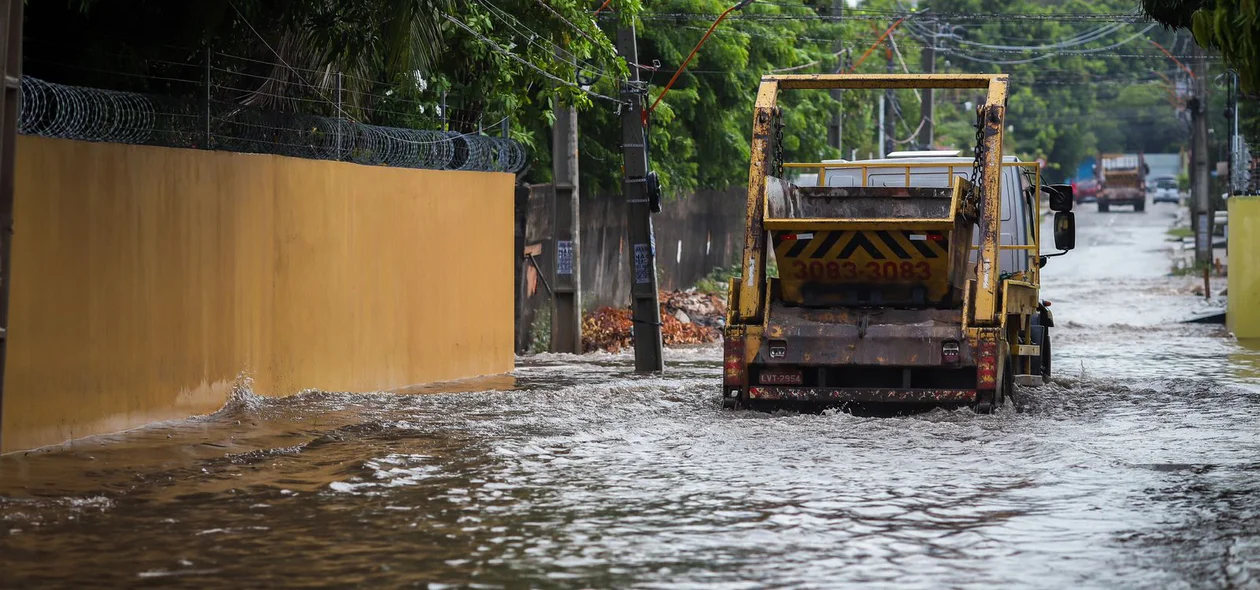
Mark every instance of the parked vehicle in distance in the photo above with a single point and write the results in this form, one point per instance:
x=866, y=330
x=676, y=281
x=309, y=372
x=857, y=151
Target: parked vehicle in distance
x=1121, y=181
x=1085, y=190
x=1164, y=190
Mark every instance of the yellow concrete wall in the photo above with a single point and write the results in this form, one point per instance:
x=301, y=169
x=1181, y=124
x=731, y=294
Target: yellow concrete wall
x=1243, y=312
x=145, y=280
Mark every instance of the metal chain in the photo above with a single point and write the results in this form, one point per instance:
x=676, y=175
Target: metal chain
x=778, y=143
x=977, y=168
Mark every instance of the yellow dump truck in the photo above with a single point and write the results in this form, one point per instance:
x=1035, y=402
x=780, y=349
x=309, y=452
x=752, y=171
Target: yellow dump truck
x=908, y=280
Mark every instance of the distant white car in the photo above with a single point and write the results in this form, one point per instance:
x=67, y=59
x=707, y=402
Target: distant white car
x=1165, y=191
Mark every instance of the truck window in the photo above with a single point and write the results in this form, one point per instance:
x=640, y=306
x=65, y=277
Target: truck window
x=1031, y=198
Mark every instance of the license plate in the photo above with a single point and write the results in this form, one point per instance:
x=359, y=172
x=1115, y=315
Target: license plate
x=781, y=378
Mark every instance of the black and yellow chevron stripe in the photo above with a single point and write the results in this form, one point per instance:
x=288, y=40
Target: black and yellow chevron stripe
x=892, y=245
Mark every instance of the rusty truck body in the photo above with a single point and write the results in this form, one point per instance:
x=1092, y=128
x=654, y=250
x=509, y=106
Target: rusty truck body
x=1121, y=181
x=911, y=280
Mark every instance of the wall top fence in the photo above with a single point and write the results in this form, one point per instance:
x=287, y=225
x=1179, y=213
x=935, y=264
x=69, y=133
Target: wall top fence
x=95, y=114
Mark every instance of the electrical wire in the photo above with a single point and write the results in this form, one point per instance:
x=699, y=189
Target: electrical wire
x=531, y=37
x=528, y=63
x=1076, y=41
x=566, y=21
x=342, y=111
x=886, y=15
x=955, y=52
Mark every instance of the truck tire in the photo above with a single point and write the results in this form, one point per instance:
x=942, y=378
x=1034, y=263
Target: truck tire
x=1041, y=337
x=1004, y=391
x=1045, y=355
x=1139, y=206
x=1103, y=207
x=1008, y=382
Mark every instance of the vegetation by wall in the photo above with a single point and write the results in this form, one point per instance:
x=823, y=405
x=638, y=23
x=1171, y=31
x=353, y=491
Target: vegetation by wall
x=147, y=280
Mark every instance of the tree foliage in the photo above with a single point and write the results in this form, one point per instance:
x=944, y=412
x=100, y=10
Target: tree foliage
x=1069, y=101
x=700, y=132
x=486, y=59
x=1231, y=26
x=398, y=59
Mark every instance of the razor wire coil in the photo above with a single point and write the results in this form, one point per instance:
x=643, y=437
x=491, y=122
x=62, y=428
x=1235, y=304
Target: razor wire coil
x=93, y=114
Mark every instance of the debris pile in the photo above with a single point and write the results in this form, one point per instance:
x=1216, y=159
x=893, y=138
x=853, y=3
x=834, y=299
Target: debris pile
x=687, y=317
x=705, y=309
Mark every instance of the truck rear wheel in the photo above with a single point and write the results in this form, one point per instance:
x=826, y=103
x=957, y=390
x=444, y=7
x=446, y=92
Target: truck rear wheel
x=983, y=407
x=1140, y=206
x=1008, y=382
x=1045, y=355
x=1041, y=337
x=1103, y=207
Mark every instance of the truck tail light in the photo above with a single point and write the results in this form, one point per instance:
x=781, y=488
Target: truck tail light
x=986, y=365
x=735, y=369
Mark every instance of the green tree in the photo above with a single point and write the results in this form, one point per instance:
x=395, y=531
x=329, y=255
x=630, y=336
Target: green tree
x=1231, y=26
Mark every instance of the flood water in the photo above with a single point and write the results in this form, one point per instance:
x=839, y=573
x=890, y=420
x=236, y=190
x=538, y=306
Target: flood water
x=1136, y=468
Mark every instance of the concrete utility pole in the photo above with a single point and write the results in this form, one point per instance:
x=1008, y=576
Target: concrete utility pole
x=889, y=121
x=566, y=306
x=11, y=61
x=1199, y=179
x=928, y=105
x=645, y=305
x=882, y=102
x=835, y=131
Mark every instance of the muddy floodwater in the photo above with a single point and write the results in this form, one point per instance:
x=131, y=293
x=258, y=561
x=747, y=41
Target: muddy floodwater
x=1137, y=468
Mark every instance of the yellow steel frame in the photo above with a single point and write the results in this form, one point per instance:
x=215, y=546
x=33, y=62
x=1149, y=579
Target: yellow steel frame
x=879, y=81
x=752, y=294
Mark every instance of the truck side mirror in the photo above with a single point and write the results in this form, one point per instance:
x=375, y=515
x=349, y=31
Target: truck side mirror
x=1060, y=197
x=1064, y=230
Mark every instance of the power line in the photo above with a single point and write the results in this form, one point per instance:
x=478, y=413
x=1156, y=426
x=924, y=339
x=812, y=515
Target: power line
x=526, y=62
x=1076, y=41
x=286, y=64
x=929, y=17
x=531, y=36
x=340, y=111
x=567, y=21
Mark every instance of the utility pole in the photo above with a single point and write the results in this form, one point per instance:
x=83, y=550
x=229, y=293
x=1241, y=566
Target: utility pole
x=645, y=305
x=1199, y=180
x=889, y=119
x=1237, y=151
x=11, y=63
x=566, y=297
x=927, y=106
x=835, y=131
x=882, y=139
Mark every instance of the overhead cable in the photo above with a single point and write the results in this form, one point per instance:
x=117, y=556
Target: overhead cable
x=527, y=63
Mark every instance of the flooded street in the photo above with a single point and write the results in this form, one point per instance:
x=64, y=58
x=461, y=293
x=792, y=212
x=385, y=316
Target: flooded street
x=1136, y=468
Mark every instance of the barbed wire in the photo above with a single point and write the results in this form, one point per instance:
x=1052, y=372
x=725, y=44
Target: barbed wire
x=94, y=114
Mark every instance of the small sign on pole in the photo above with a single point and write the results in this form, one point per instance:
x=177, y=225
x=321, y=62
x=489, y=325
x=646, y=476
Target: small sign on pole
x=1203, y=236
x=564, y=257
